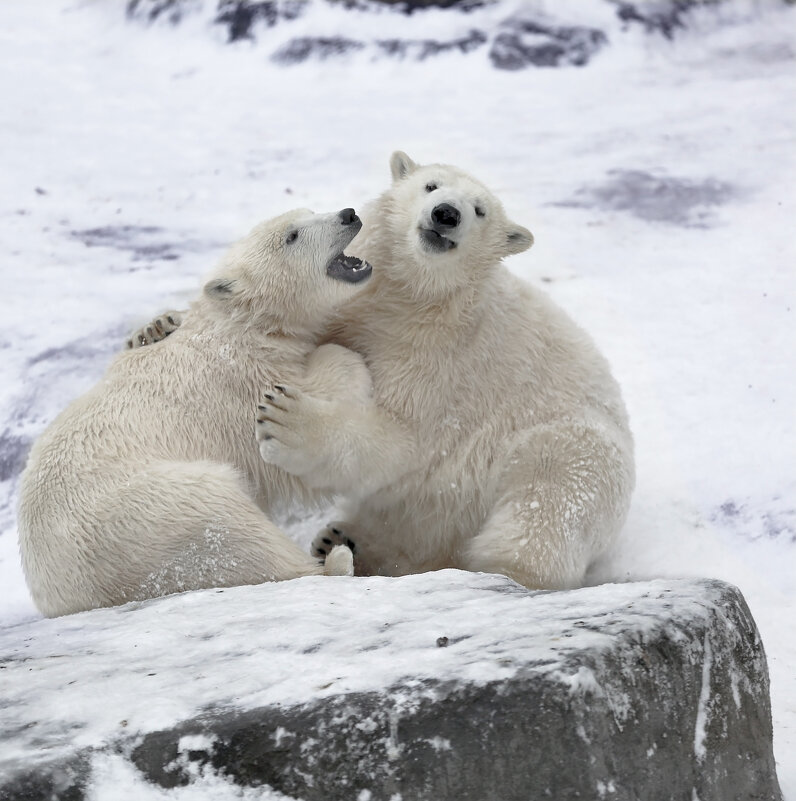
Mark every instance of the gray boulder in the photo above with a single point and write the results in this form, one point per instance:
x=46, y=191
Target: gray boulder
x=447, y=685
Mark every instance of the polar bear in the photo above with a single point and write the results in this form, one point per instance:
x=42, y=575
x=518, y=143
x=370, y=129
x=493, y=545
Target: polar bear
x=152, y=482
x=497, y=439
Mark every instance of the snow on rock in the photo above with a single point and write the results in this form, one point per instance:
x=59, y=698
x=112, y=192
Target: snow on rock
x=447, y=685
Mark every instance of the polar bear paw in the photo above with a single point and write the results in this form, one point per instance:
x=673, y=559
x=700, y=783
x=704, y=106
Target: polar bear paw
x=329, y=538
x=339, y=562
x=158, y=329
x=288, y=426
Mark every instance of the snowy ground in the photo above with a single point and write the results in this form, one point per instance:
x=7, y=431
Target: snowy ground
x=658, y=180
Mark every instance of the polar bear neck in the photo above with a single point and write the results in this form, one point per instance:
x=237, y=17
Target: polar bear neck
x=383, y=311
x=247, y=319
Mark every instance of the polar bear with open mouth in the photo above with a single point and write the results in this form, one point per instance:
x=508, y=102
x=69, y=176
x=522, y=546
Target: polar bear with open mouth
x=152, y=483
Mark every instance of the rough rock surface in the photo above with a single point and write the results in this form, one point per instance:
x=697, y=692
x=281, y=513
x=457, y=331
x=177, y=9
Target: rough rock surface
x=442, y=686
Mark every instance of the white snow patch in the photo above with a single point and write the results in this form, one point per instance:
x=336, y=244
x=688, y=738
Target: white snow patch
x=196, y=742
x=583, y=681
x=115, y=777
x=604, y=789
x=439, y=743
x=703, y=710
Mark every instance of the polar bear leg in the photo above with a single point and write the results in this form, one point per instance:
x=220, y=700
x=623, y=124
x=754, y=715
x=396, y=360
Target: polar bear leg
x=565, y=493
x=191, y=525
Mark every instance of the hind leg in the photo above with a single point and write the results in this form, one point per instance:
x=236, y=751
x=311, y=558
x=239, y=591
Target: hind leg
x=565, y=495
x=185, y=526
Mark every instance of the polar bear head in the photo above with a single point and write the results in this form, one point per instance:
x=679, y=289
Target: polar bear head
x=452, y=225
x=290, y=271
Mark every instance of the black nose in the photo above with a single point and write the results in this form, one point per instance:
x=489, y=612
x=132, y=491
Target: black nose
x=347, y=216
x=446, y=216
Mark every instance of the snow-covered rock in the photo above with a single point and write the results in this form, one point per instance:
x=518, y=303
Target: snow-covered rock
x=448, y=685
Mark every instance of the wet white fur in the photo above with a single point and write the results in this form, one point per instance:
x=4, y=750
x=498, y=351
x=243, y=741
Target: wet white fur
x=497, y=439
x=152, y=482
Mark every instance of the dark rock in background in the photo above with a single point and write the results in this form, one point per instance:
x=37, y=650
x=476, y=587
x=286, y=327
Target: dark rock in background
x=528, y=43
x=421, y=49
x=660, y=16
x=321, y=47
x=410, y=6
x=650, y=691
x=529, y=39
x=172, y=11
x=240, y=15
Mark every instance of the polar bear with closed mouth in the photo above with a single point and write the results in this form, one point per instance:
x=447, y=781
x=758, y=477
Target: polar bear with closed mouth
x=152, y=483
x=496, y=439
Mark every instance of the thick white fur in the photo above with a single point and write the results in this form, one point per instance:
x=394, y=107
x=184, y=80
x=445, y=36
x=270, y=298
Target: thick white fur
x=152, y=482
x=497, y=439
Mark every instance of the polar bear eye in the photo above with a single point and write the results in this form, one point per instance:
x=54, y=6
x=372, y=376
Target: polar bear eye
x=291, y=237
x=479, y=212
x=430, y=187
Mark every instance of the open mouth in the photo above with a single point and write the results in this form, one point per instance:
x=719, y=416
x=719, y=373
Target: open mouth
x=348, y=268
x=436, y=241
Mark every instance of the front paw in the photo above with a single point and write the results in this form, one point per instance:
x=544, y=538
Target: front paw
x=288, y=430
x=158, y=329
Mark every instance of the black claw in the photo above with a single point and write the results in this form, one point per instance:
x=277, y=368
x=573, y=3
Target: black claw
x=337, y=531
x=267, y=436
x=268, y=397
x=262, y=408
x=351, y=544
x=327, y=541
x=279, y=387
x=171, y=320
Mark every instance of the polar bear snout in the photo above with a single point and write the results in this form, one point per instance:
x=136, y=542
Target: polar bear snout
x=446, y=216
x=351, y=225
x=349, y=217
x=442, y=222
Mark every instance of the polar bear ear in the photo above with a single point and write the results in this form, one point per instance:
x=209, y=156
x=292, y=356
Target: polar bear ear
x=518, y=239
x=401, y=165
x=221, y=288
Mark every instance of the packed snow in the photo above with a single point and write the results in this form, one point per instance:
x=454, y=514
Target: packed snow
x=658, y=180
